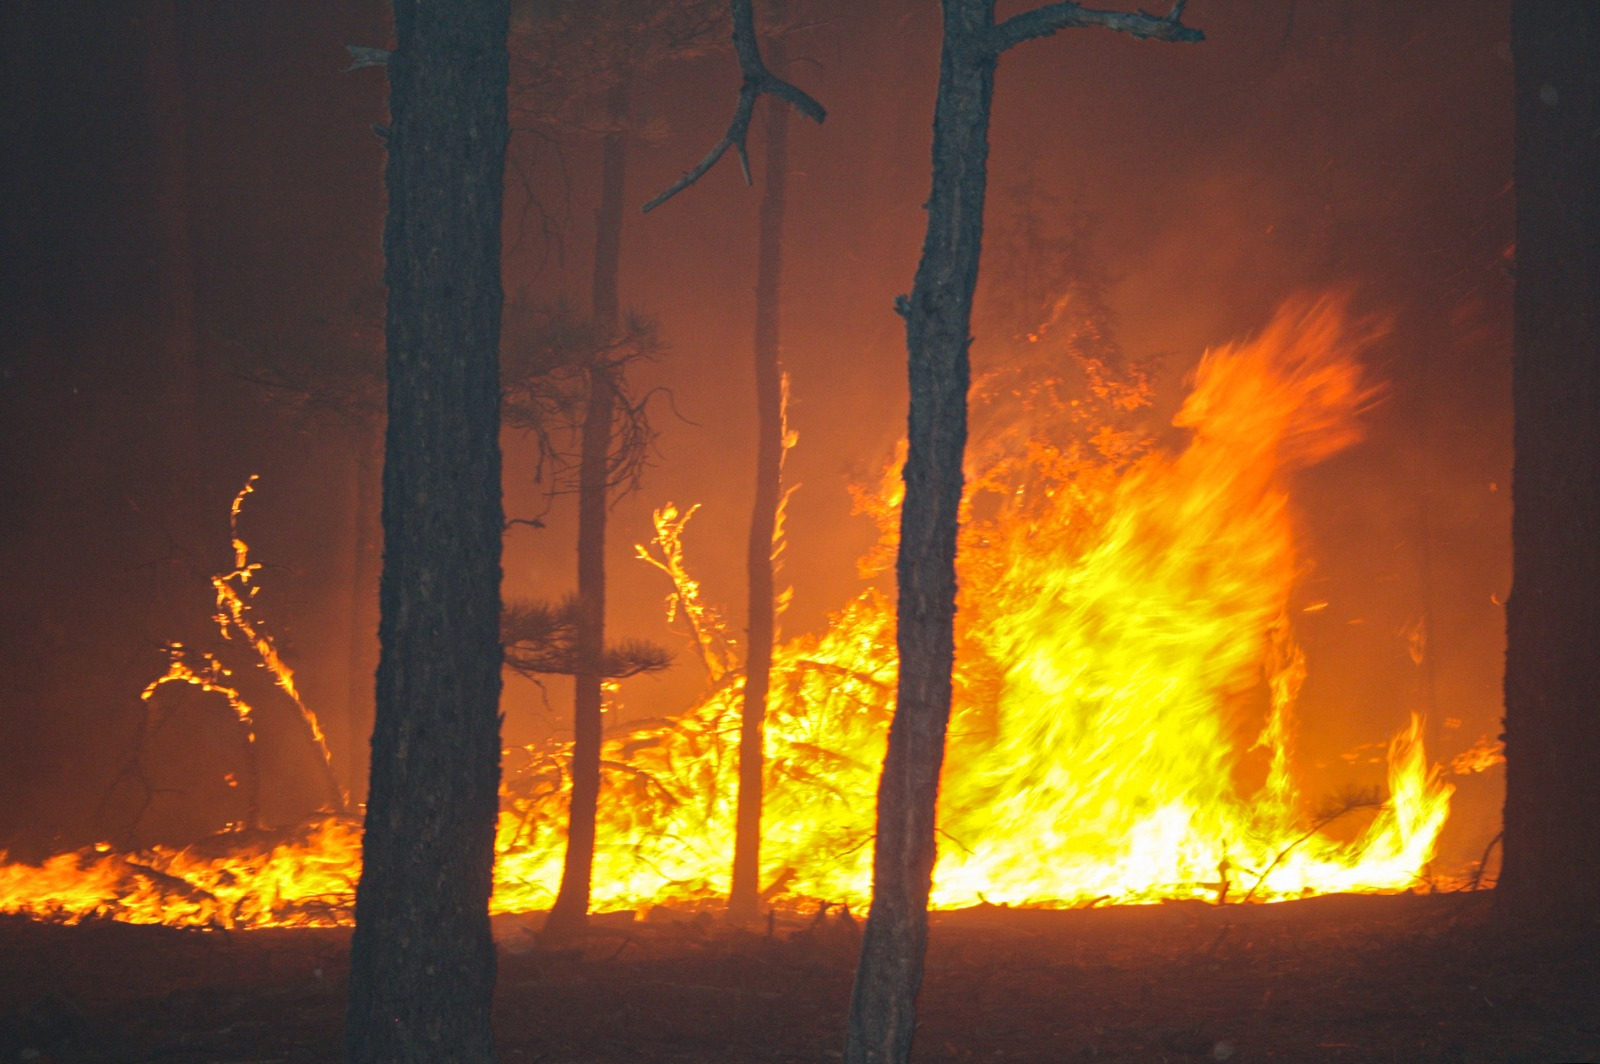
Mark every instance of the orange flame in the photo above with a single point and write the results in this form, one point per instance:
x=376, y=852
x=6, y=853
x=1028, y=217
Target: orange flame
x=1124, y=695
x=1121, y=610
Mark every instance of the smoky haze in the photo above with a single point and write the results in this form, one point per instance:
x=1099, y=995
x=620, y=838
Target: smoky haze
x=193, y=212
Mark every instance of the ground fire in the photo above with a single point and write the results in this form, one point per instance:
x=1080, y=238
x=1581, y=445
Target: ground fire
x=1127, y=675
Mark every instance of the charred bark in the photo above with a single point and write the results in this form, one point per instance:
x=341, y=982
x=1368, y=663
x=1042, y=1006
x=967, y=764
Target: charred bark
x=744, y=894
x=1551, y=873
x=571, y=906
x=422, y=960
x=938, y=317
x=938, y=313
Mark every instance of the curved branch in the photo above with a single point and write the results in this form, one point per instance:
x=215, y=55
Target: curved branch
x=758, y=81
x=1043, y=21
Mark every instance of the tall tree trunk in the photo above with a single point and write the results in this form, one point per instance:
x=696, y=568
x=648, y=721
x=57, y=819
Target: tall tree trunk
x=1551, y=873
x=571, y=906
x=938, y=317
x=422, y=962
x=744, y=895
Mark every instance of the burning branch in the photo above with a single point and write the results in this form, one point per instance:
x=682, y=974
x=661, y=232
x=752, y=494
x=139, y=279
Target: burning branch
x=758, y=81
x=1348, y=803
x=711, y=637
x=234, y=592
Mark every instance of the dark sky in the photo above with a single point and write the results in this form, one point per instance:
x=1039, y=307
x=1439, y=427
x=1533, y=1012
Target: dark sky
x=216, y=149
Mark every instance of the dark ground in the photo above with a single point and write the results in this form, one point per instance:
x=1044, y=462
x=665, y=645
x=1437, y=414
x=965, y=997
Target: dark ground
x=1395, y=979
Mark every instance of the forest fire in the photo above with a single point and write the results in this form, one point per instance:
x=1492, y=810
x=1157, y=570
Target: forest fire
x=1126, y=680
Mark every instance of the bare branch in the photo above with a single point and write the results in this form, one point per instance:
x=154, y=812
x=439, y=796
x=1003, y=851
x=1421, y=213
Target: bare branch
x=758, y=81
x=362, y=56
x=1043, y=21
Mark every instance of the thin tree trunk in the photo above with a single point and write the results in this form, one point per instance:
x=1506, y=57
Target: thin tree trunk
x=422, y=963
x=744, y=895
x=938, y=317
x=571, y=906
x=1551, y=877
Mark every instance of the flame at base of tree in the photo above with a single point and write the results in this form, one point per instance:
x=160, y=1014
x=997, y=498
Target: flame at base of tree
x=1124, y=693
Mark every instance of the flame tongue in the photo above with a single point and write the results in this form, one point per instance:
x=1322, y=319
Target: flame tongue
x=1132, y=628
x=1124, y=692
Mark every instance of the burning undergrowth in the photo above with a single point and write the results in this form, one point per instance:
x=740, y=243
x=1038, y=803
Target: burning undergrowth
x=1123, y=722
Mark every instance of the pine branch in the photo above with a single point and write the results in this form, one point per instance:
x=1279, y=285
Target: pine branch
x=540, y=639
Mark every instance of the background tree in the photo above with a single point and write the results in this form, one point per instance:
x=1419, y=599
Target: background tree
x=1551, y=876
x=758, y=81
x=422, y=960
x=569, y=382
x=571, y=906
x=744, y=892
x=938, y=317
x=572, y=57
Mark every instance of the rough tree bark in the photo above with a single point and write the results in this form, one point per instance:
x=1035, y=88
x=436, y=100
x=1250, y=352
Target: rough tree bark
x=744, y=894
x=938, y=317
x=1551, y=877
x=571, y=906
x=422, y=960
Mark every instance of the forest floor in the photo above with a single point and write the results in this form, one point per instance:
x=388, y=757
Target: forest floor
x=1408, y=978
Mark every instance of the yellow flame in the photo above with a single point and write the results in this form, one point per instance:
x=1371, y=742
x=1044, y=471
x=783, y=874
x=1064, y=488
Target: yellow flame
x=1124, y=693
x=1124, y=613
x=234, y=590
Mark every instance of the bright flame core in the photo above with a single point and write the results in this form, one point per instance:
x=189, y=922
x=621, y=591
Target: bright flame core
x=1122, y=725
x=1124, y=689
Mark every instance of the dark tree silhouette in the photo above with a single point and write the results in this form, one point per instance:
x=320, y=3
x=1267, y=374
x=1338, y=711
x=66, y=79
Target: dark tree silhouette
x=571, y=906
x=422, y=960
x=744, y=893
x=1551, y=876
x=570, y=57
x=541, y=640
x=938, y=317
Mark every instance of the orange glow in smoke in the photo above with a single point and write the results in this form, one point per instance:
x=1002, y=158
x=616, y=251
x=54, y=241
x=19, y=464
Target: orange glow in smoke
x=1123, y=724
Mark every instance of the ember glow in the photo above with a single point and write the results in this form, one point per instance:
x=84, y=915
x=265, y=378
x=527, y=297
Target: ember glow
x=1124, y=716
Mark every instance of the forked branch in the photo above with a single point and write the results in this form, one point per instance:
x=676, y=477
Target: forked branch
x=1043, y=21
x=758, y=81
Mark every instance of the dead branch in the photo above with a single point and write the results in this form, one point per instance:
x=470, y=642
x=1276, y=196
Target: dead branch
x=758, y=81
x=1044, y=21
x=362, y=56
